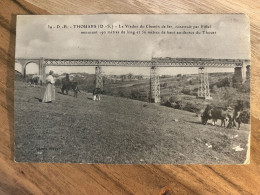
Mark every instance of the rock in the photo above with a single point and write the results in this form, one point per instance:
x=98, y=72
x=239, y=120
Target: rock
x=208, y=145
x=238, y=148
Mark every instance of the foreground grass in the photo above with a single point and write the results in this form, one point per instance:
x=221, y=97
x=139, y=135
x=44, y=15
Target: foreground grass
x=117, y=130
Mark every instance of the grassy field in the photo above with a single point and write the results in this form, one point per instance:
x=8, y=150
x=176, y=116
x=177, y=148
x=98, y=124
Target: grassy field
x=117, y=130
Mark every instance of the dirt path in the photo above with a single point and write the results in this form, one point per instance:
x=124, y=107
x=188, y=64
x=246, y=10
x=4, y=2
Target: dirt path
x=117, y=130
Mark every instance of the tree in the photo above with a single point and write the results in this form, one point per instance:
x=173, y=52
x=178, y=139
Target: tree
x=130, y=76
x=122, y=77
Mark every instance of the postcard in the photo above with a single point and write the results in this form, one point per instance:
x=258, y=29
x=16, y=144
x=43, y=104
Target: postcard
x=132, y=89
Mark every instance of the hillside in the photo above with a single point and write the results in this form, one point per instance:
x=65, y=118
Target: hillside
x=180, y=89
x=117, y=130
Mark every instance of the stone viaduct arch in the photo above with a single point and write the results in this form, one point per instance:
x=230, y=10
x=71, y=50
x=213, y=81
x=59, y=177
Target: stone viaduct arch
x=42, y=67
x=241, y=67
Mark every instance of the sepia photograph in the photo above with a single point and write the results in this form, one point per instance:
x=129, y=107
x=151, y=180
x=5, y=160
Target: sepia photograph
x=132, y=89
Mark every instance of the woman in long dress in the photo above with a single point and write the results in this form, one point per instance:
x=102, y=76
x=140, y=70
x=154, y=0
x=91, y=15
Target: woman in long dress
x=49, y=94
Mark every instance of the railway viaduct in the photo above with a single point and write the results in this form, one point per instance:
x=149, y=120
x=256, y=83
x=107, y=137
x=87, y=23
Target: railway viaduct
x=241, y=69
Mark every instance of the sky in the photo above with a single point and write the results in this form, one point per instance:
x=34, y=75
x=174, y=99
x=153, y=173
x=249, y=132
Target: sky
x=35, y=38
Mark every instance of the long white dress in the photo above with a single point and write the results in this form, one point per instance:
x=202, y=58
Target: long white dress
x=49, y=94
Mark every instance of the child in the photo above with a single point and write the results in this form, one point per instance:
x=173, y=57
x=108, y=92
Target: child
x=96, y=94
x=76, y=90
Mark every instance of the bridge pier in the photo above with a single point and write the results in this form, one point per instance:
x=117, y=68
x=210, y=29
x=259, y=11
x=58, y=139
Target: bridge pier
x=203, y=90
x=23, y=64
x=154, y=85
x=248, y=73
x=23, y=71
x=99, y=77
x=244, y=71
x=241, y=74
x=42, y=71
x=237, y=77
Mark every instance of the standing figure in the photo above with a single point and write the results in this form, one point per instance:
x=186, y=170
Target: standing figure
x=96, y=94
x=49, y=94
x=74, y=86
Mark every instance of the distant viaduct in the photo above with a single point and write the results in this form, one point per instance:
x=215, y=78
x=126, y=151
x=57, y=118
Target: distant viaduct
x=241, y=66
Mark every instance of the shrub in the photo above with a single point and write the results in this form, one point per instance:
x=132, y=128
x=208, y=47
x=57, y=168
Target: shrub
x=244, y=88
x=245, y=117
x=122, y=94
x=191, y=82
x=223, y=83
x=173, y=99
x=139, y=94
x=214, y=89
x=246, y=103
x=191, y=107
x=167, y=103
x=135, y=94
x=187, y=97
x=186, y=91
x=178, y=105
x=163, y=85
